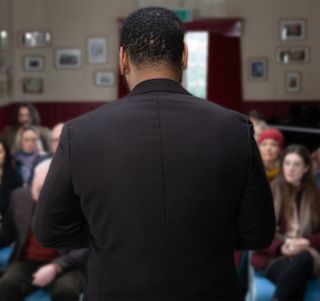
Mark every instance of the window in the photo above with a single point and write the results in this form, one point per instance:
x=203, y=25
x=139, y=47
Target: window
x=195, y=76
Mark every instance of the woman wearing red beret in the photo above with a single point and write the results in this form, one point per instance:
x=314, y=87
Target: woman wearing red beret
x=270, y=144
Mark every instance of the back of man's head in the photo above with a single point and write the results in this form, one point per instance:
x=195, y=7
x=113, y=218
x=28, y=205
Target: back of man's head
x=153, y=35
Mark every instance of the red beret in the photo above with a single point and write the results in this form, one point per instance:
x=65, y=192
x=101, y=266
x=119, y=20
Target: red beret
x=272, y=134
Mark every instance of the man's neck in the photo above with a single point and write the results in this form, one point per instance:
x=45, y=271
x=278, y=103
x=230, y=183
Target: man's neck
x=152, y=73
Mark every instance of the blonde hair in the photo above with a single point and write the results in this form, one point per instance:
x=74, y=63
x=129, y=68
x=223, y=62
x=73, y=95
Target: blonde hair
x=17, y=144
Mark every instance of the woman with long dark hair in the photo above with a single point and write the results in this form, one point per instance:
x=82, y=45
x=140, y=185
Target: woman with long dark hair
x=293, y=256
x=9, y=178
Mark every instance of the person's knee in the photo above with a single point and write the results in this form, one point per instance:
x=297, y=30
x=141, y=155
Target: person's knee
x=305, y=258
x=66, y=289
x=8, y=287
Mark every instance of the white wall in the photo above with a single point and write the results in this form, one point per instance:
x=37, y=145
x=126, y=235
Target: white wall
x=71, y=22
x=6, y=25
x=262, y=38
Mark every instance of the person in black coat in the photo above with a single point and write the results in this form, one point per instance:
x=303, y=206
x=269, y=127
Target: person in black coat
x=161, y=185
x=10, y=179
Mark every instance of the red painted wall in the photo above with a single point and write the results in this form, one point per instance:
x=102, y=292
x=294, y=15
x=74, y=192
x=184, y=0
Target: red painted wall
x=51, y=112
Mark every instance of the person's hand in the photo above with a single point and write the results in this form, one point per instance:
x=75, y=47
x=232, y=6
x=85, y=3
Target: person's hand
x=294, y=246
x=301, y=243
x=46, y=274
x=286, y=248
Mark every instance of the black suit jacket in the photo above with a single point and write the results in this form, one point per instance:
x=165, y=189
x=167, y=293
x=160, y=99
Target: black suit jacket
x=164, y=187
x=15, y=229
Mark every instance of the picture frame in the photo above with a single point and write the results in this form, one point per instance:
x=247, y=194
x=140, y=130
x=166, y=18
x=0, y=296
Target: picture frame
x=32, y=85
x=34, y=63
x=3, y=88
x=292, y=30
x=68, y=58
x=293, y=55
x=97, y=50
x=257, y=69
x=3, y=39
x=2, y=63
x=104, y=78
x=293, y=81
x=34, y=39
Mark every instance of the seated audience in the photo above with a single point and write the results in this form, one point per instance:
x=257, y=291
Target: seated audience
x=9, y=178
x=293, y=256
x=26, y=152
x=25, y=115
x=33, y=266
x=270, y=145
x=41, y=170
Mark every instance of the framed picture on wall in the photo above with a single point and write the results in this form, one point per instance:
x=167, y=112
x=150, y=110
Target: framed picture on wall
x=3, y=88
x=3, y=39
x=292, y=30
x=257, y=68
x=34, y=39
x=32, y=85
x=104, y=78
x=2, y=63
x=97, y=50
x=293, y=55
x=33, y=63
x=68, y=58
x=293, y=82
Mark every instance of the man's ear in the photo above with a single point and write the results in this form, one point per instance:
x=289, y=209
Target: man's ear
x=123, y=61
x=184, y=60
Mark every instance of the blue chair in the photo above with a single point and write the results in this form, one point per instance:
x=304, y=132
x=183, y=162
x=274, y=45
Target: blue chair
x=5, y=254
x=262, y=289
x=38, y=295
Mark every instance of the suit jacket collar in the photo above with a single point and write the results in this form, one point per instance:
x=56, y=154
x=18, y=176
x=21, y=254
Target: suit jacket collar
x=157, y=85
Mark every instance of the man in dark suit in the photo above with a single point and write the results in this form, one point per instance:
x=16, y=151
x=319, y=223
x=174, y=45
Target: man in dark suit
x=31, y=266
x=162, y=185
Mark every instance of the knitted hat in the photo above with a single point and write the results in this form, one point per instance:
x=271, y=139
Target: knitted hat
x=272, y=134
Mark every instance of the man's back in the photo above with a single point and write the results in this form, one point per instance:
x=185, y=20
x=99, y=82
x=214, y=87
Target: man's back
x=169, y=186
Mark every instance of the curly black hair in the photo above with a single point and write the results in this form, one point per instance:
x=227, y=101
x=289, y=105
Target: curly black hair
x=153, y=35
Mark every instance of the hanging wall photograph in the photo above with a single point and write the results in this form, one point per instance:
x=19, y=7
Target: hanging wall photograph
x=291, y=55
x=3, y=39
x=257, y=69
x=34, y=39
x=2, y=63
x=293, y=82
x=32, y=85
x=292, y=30
x=68, y=58
x=97, y=50
x=104, y=78
x=33, y=63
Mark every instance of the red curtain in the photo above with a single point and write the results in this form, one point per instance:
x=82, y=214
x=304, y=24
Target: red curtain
x=224, y=71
